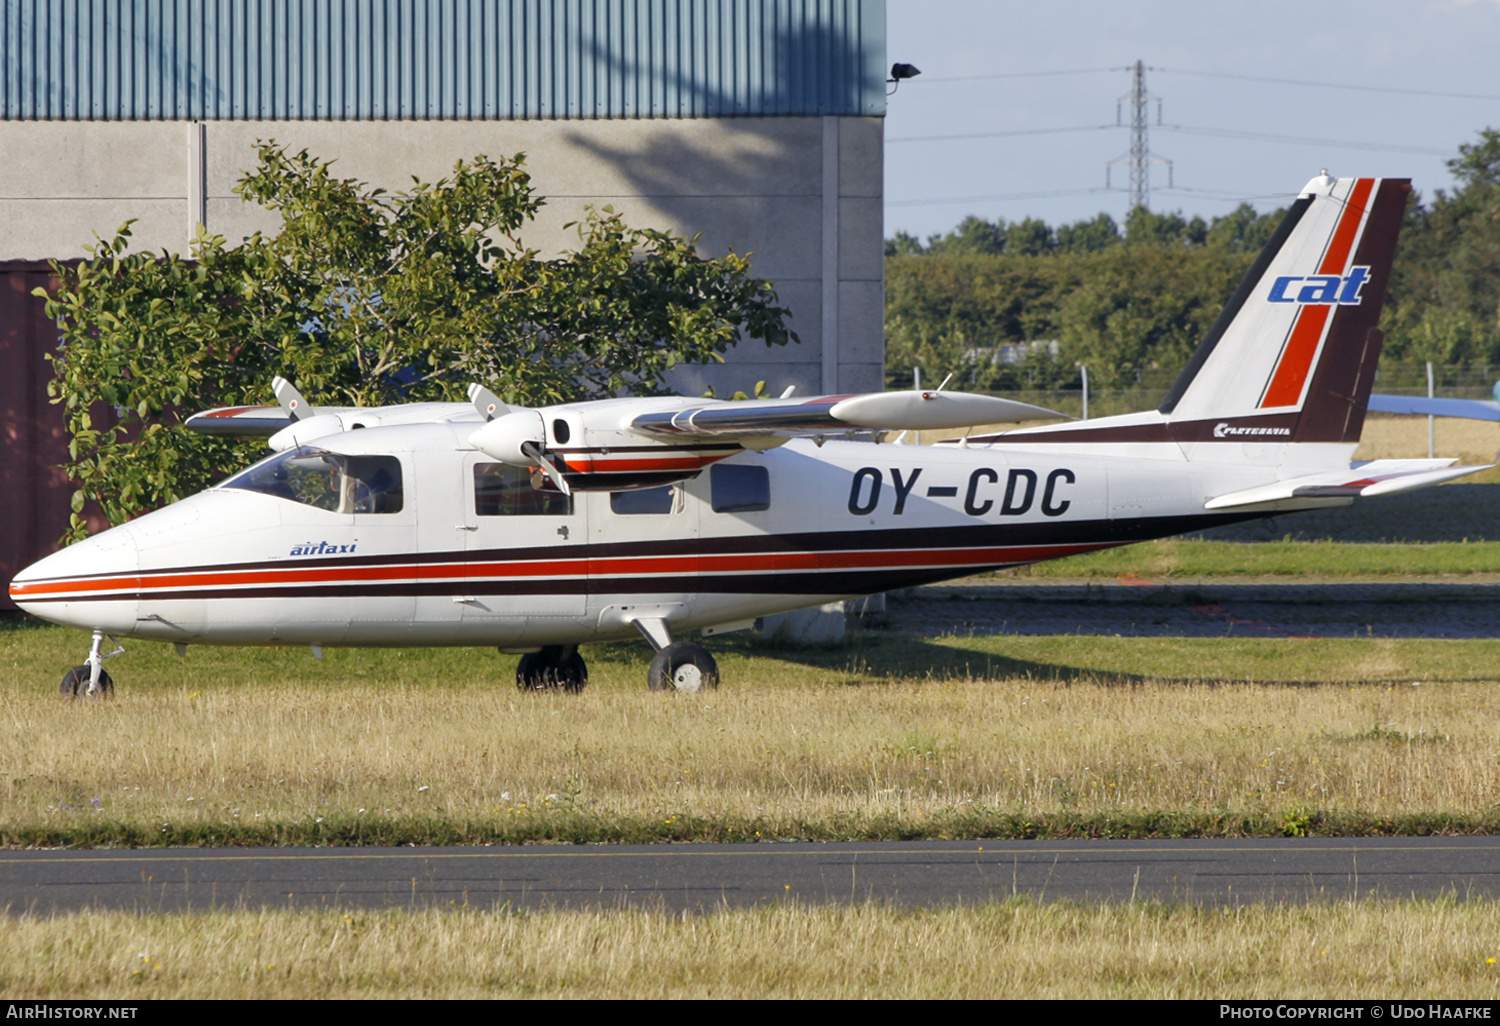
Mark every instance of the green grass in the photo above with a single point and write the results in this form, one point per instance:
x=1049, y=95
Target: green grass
x=571, y=827
x=34, y=656
x=1172, y=558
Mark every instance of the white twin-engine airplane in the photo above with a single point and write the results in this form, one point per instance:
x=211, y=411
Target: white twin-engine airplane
x=536, y=530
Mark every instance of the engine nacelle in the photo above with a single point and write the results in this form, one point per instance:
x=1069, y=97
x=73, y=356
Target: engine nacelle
x=592, y=457
x=302, y=432
x=503, y=437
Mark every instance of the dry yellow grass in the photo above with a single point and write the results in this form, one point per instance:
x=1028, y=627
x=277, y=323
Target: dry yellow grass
x=1444, y=949
x=285, y=752
x=1471, y=442
x=256, y=736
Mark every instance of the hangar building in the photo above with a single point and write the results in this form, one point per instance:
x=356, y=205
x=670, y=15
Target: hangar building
x=757, y=123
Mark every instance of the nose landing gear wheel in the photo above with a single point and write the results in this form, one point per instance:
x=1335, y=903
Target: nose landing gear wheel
x=554, y=668
x=75, y=683
x=683, y=667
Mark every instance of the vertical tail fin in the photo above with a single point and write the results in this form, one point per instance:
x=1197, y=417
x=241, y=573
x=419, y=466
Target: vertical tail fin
x=1292, y=356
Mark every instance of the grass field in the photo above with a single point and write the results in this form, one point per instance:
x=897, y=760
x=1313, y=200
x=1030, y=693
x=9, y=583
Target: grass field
x=893, y=737
x=1019, y=949
x=1175, y=558
x=1471, y=442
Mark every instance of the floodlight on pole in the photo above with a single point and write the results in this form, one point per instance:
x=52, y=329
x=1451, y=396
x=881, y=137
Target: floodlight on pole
x=900, y=73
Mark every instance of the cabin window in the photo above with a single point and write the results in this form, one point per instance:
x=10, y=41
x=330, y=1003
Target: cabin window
x=739, y=489
x=327, y=480
x=501, y=490
x=645, y=500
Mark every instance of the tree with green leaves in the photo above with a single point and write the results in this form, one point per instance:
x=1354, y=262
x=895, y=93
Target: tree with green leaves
x=1088, y=236
x=1143, y=227
x=998, y=307
x=1444, y=303
x=365, y=297
x=1012, y=306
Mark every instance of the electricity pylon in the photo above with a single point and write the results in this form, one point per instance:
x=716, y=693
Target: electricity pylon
x=1140, y=158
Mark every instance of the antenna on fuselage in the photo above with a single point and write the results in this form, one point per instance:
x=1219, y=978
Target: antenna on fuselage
x=290, y=399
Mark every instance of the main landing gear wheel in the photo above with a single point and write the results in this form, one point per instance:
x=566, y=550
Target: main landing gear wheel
x=76, y=683
x=682, y=666
x=555, y=667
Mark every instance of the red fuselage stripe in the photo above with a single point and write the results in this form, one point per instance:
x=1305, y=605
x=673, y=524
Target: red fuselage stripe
x=611, y=464
x=774, y=562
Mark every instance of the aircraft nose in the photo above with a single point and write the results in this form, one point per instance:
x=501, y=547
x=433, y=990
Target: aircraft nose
x=91, y=584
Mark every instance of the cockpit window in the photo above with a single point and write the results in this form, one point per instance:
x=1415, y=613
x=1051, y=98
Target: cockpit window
x=327, y=480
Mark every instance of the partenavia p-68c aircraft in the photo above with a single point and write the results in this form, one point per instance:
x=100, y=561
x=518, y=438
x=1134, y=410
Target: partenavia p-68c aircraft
x=537, y=529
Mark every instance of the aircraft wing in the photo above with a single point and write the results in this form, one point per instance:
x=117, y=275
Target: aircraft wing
x=1468, y=409
x=244, y=421
x=835, y=414
x=286, y=431
x=1362, y=480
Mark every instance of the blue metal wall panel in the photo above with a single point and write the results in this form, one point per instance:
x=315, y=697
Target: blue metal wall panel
x=131, y=60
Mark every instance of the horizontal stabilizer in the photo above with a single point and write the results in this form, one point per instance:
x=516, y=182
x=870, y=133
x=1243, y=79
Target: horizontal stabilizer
x=829, y=414
x=1362, y=480
x=1467, y=409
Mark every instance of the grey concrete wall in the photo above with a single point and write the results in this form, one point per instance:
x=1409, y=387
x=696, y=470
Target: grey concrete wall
x=63, y=182
x=754, y=185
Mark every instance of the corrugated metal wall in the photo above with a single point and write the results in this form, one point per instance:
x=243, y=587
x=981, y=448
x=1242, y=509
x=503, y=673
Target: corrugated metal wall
x=439, y=59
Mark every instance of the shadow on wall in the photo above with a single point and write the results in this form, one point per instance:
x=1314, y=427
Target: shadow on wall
x=36, y=492
x=752, y=181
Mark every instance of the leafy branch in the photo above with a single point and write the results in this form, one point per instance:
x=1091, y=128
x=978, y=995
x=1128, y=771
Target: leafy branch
x=368, y=297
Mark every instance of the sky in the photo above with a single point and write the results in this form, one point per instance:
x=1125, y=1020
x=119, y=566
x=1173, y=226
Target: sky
x=1375, y=87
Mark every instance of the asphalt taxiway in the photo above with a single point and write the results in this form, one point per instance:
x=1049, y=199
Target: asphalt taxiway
x=1213, y=607
x=708, y=876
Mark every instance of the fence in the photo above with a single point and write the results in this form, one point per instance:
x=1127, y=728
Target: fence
x=1462, y=382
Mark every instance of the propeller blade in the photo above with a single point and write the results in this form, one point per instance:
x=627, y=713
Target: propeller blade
x=486, y=402
x=290, y=399
x=549, y=468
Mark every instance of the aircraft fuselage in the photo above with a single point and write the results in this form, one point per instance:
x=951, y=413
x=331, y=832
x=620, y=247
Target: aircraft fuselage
x=759, y=533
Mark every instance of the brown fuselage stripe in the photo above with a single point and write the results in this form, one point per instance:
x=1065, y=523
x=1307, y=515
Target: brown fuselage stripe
x=724, y=564
x=229, y=582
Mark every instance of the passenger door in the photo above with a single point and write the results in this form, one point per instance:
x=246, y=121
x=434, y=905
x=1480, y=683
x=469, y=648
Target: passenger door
x=524, y=548
x=644, y=561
